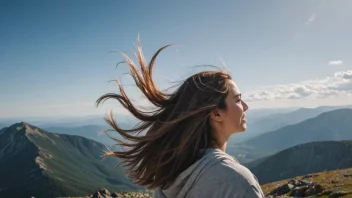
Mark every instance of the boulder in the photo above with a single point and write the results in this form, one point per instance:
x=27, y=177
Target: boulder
x=313, y=190
x=299, y=191
x=97, y=195
x=281, y=190
x=290, y=186
x=102, y=193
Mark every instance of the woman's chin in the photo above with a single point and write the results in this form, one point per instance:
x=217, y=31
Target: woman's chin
x=244, y=127
x=241, y=129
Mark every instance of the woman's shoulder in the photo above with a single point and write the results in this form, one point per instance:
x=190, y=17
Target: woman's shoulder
x=228, y=167
x=226, y=178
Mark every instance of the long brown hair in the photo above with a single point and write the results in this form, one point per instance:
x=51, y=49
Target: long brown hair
x=177, y=129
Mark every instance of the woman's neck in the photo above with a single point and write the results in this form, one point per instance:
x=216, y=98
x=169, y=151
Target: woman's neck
x=220, y=145
x=220, y=138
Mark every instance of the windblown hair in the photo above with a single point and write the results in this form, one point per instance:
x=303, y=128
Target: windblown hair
x=177, y=129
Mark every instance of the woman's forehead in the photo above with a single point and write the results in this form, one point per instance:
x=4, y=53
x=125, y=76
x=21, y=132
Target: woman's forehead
x=234, y=88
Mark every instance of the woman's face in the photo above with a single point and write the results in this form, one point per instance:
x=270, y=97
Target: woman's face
x=233, y=118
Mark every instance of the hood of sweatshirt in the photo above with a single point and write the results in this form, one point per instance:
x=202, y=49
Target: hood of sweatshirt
x=188, y=177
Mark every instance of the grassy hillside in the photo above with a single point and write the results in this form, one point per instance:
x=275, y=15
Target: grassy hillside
x=335, y=183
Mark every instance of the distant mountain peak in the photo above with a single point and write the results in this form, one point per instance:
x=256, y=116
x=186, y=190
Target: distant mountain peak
x=48, y=164
x=22, y=125
x=28, y=126
x=29, y=129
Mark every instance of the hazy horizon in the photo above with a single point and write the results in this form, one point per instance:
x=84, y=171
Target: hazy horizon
x=55, y=60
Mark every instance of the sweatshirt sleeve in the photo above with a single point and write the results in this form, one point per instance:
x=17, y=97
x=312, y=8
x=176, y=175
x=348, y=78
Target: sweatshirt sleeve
x=226, y=179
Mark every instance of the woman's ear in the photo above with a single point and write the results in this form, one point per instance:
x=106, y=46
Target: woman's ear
x=216, y=115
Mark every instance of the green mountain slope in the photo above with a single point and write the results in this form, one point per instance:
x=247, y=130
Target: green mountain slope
x=87, y=131
x=334, y=125
x=37, y=163
x=262, y=124
x=304, y=159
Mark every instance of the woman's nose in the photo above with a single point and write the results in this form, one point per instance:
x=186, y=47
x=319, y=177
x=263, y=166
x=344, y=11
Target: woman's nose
x=245, y=106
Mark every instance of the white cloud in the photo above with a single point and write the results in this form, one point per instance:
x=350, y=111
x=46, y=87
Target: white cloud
x=311, y=18
x=336, y=62
x=339, y=83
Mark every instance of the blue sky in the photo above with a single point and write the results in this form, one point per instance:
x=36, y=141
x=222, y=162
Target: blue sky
x=55, y=60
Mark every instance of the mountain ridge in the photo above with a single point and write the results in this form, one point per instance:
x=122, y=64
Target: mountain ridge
x=67, y=165
x=304, y=159
x=329, y=126
x=279, y=120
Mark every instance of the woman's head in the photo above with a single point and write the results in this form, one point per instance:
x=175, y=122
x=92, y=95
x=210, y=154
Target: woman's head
x=205, y=109
x=216, y=90
x=229, y=120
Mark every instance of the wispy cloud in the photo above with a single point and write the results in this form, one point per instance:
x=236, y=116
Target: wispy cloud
x=311, y=18
x=335, y=62
x=339, y=83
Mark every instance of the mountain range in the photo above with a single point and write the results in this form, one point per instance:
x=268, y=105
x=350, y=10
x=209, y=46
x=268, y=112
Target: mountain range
x=258, y=125
x=46, y=122
x=329, y=126
x=64, y=159
x=88, y=131
x=303, y=159
x=37, y=163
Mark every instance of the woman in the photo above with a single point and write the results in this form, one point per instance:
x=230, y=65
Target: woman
x=182, y=153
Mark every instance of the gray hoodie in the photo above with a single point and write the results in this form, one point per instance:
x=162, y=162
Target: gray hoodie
x=215, y=175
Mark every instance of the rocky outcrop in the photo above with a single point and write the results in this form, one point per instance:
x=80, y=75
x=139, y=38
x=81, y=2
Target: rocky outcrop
x=297, y=188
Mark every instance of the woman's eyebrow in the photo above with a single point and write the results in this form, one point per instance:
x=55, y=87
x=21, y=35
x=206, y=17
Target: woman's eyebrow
x=238, y=95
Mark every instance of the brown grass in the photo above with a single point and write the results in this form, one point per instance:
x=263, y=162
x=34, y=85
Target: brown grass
x=331, y=181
